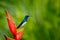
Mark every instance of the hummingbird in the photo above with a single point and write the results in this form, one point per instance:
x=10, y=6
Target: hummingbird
x=23, y=22
x=17, y=34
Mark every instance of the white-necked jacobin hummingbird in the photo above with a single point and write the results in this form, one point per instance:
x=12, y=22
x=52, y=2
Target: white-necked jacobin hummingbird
x=23, y=22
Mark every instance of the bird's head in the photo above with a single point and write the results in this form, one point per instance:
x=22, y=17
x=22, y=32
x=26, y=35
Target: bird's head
x=26, y=17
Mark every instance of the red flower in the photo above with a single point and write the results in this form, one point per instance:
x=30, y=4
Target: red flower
x=19, y=35
x=13, y=29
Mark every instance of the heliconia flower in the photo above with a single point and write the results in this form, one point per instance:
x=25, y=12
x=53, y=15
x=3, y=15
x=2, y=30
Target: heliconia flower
x=12, y=26
x=9, y=16
x=19, y=35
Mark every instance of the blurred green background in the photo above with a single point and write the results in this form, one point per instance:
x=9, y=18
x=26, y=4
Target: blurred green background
x=43, y=23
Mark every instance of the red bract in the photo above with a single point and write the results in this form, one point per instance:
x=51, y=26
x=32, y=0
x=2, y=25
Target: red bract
x=11, y=24
x=19, y=35
x=12, y=27
x=9, y=16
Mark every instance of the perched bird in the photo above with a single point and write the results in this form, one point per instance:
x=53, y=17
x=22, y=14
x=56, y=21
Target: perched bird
x=23, y=22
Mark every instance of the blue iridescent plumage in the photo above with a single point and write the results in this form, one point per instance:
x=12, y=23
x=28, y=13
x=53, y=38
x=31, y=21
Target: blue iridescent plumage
x=24, y=20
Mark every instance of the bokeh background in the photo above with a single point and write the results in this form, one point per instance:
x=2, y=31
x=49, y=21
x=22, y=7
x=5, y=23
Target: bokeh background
x=43, y=23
